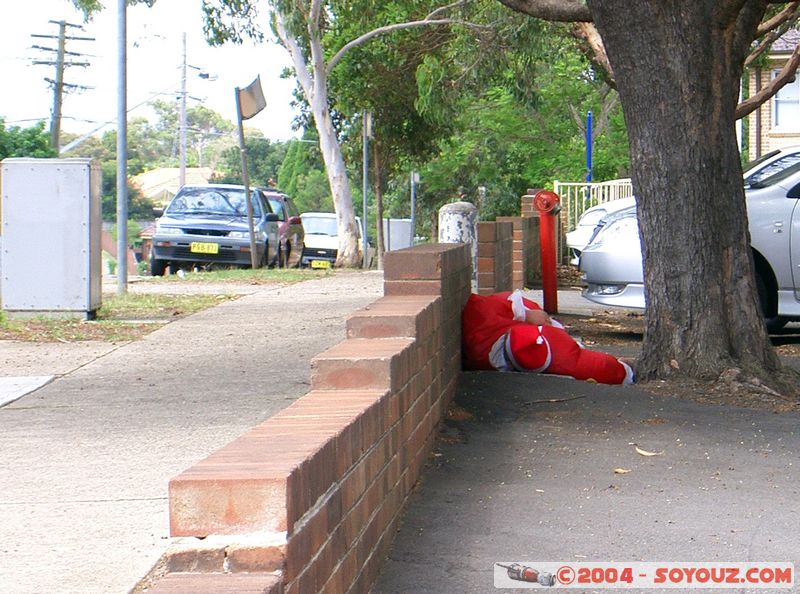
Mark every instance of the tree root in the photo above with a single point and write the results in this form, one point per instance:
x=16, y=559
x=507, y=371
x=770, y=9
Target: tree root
x=734, y=387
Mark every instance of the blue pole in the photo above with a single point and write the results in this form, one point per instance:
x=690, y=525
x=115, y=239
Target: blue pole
x=589, y=146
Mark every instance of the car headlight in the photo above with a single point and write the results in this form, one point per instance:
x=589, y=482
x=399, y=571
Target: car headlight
x=621, y=230
x=239, y=235
x=169, y=229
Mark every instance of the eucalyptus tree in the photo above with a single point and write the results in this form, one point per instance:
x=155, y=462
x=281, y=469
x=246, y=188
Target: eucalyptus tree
x=677, y=66
x=300, y=27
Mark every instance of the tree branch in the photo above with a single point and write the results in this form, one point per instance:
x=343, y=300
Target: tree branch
x=588, y=33
x=551, y=10
x=784, y=77
x=783, y=16
x=313, y=15
x=577, y=118
x=446, y=8
x=772, y=29
x=609, y=101
x=766, y=42
x=728, y=11
x=300, y=67
x=395, y=27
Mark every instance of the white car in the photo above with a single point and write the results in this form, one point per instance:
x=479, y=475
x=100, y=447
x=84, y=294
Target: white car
x=321, y=245
x=591, y=217
x=612, y=261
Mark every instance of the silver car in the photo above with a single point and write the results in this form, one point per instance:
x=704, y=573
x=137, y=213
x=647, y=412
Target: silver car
x=612, y=261
x=587, y=223
x=206, y=225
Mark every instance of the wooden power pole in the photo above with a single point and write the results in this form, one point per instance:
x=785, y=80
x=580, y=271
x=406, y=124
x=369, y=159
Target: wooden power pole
x=60, y=63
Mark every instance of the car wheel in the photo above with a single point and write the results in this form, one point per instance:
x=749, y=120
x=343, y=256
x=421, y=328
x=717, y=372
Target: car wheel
x=775, y=323
x=157, y=267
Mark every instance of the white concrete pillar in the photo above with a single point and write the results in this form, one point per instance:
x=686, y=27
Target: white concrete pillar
x=458, y=223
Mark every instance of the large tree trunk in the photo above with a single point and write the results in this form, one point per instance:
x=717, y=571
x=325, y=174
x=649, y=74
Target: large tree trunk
x=678, y=80
x=339, y=183
x=313, y=79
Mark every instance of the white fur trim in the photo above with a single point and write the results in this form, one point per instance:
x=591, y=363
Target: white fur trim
x=517, y=306
x=629, y=379
x=497, y=355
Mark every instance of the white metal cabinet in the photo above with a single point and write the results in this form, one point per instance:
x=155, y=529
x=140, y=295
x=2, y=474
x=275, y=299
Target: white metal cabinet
x=51, y=221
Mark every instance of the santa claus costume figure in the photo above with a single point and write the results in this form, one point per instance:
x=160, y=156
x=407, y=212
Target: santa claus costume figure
x=507, y=332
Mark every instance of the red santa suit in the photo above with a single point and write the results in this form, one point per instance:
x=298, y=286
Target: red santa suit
x=495, y=336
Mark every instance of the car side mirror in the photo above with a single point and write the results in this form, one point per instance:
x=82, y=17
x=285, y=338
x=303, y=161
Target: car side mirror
x=272, y=218
x=158, y=211
x=794, y=192
x=295, y=221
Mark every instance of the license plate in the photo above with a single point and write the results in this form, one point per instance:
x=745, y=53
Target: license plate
x=198, y=247
x=320, y=264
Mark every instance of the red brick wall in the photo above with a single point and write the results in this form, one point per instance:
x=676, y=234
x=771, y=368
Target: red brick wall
x=495, y=252
x=317, y=490
x=526, y=261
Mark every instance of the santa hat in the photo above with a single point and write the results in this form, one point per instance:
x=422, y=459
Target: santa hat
x=526, y=348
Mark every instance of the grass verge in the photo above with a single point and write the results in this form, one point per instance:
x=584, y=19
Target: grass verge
x=259, y=276
x=121, y=318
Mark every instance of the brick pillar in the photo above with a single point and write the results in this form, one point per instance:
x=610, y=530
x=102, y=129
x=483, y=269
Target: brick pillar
x=526, y=263
x=495, y=246
x=533, y=255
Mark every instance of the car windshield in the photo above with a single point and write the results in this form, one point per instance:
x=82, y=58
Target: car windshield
x=212, y=201
x=774, y=173
x=320, y=226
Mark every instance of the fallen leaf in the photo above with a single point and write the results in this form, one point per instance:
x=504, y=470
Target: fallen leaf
x=622, y=470
x=642, y=452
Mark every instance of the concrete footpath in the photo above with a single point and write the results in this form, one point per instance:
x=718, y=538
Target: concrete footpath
x=530, y=469
x=517, y=478
x=85, y=459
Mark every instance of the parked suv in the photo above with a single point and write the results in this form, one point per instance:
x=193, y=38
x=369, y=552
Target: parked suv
x=612, y=260
x=207, y=224
x=290, y=228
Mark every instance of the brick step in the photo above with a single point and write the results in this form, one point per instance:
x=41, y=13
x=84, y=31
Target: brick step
x=218, y=583
x=363, y=364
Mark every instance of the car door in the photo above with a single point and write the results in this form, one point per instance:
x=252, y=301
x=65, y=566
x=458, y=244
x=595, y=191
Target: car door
x=271, y=228
x=773, y=192
x=793, y=202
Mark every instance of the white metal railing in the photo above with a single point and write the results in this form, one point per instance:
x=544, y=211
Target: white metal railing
x=576, y=197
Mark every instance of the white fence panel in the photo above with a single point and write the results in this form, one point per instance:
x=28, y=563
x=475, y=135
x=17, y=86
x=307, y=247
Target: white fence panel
x=576, y=197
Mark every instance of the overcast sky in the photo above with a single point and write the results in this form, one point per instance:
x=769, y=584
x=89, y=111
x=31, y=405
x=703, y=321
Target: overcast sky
x=154, y=60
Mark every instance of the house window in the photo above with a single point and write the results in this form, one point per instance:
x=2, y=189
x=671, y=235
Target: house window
x=786, y=106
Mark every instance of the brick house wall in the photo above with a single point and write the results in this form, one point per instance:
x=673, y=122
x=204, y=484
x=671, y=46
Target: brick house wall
x=762, y=137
